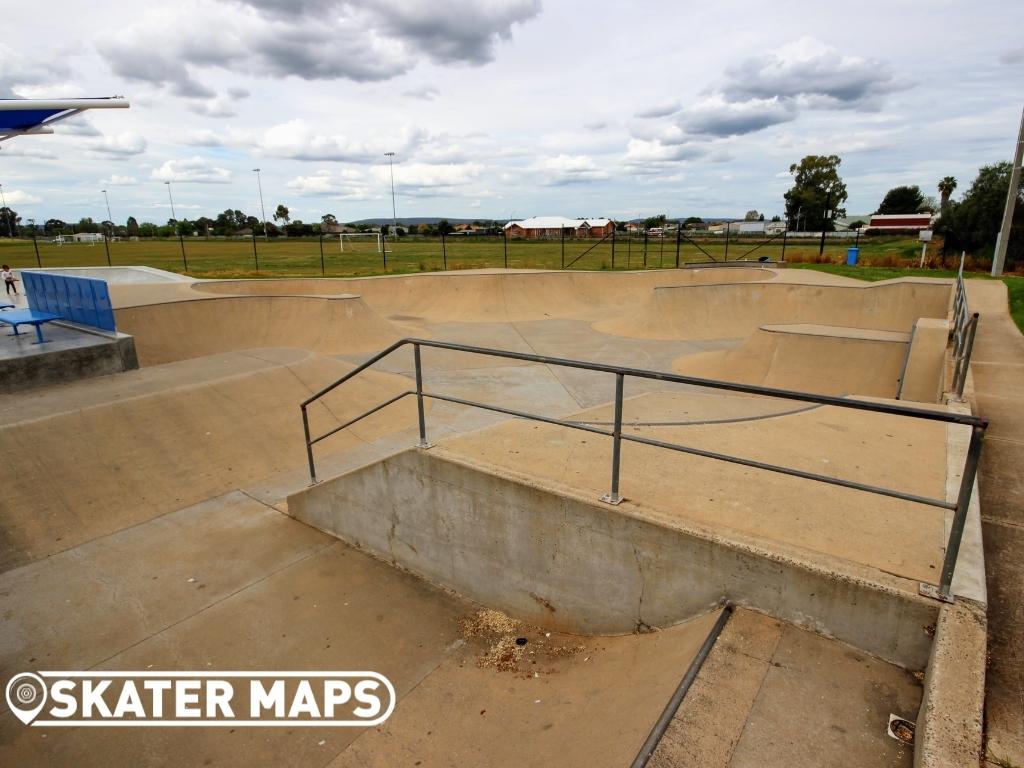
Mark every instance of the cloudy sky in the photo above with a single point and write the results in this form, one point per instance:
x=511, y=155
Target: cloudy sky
x=503, y=108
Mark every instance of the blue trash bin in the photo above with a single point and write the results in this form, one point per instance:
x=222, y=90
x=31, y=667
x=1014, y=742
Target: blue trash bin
x=851, y=256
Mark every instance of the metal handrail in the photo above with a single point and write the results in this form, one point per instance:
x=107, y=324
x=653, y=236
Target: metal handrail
x=965, y=326
x=959, y=508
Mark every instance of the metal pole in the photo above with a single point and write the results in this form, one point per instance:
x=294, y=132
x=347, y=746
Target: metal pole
x=726, y=241
x=613, y=245
x=629, y=248
x=106, y=247
x=263, y=211
x=828, y=200
x=255, y=255
x=107, y=199
x=10, y=222
x=39, y=261
x=419, y=397
x=1003, y=239
x=383, y=249
x=171, y=198
x=678, y=238
x=960, y=515
x=184, y=260
x=960, y=372
x=645, y=249
x=562, y=229
x=613, y=497
x=444, y=253
x=309, y=446
x=504, y=237
x=394, y=215
x=784, y=233
x=323, y=270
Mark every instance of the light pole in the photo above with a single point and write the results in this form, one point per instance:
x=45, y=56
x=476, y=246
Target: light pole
x=263, y=211
x=394, y=216
x=107, y=199
x=825, y=219
x=169, y=197
x=3, y=199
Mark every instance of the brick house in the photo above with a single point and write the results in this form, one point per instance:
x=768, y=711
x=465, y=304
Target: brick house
x=550, y=227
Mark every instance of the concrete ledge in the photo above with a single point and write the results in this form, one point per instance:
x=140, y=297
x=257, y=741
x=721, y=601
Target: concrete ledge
x=949, y=724
x=72, y=353
x=577, y=565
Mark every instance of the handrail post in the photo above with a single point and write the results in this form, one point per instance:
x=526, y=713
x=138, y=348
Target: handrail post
x=419, y=397
x=613, y=497
x=944, y=591
x=960, y=372
x=309, y=446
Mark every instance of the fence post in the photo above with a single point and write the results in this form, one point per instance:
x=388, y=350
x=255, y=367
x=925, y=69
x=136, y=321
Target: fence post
x=323, y=270
x=784, y=233
x=384, y=250
x=562, y=230
x=504, y=239
x=727, y=241
x=106, y=247
x=419, y=397
x=255, y=255
x=309, y=446
x=613, y=497
x=444, y=253
x=613, y=246
x=945, y=590
x=39, y=261
x=678, y=238
x=645, y=249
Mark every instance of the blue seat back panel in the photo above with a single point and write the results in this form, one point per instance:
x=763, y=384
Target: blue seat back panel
x=83, y=300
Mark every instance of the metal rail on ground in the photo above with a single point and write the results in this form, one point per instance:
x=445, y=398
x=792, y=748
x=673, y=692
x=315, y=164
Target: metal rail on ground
x=959, y=508
x=965, y=326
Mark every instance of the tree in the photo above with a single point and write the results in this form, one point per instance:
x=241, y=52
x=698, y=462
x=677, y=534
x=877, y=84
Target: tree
x=693, y=222
x=444, y=228
x=282, y=215
x=817, y=186
x=752, y=215
x=946, y=187
x=328, y=218
x=132, y=229
x=86, y=224
x=8, y=222
x=185, y=227
x=655, y=221
x=855, y=224
x=973, y=223
x=901, y=200
x=54, y=226
x=928, y=205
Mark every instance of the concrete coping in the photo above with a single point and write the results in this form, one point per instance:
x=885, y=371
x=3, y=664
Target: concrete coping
x=838, y=331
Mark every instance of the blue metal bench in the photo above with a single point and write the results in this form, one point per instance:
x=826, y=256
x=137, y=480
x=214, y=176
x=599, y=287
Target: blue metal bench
x=5, y=305
x=28, y=317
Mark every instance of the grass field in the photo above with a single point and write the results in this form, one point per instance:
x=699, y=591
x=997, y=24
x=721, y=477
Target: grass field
x=296, y=257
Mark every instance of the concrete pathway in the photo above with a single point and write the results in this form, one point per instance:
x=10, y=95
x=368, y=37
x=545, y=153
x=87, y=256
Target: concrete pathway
x=998, y=369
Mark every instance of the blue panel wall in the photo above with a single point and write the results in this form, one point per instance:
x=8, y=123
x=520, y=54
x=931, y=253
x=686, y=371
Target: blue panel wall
x=83, y=300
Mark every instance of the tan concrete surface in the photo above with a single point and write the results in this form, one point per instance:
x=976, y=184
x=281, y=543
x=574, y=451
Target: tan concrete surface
x=121, y=450
x=924, y=379
x=897, y=537
x=998, y=370
x=593, y=707
x=773, y=694
x=826, y=360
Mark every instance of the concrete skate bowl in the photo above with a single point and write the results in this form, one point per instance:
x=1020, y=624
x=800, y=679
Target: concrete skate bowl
x=736, y=311
x=826, y=360
x=186, y=329
x=493, y=297
x=121, y=450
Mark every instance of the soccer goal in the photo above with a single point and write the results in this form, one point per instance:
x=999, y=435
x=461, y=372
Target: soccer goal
x=362, y=242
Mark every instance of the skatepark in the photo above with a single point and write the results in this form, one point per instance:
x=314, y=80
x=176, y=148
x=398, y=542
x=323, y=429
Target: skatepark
x=768, y=473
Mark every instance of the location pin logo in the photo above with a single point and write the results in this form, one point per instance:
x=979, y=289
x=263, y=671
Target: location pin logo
x=26, y=695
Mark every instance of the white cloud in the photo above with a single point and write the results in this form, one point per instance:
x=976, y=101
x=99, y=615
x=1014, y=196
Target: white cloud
x=118, y=181
x=193, y=169
x=343, y=185
x=122, y=144
x=570, y=169
x=297, y=140
x=20, y=197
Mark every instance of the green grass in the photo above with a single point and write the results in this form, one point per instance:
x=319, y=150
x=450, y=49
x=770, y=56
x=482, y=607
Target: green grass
x=301, y=257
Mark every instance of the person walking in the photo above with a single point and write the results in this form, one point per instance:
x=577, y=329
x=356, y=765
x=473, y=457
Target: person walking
x=9, y=280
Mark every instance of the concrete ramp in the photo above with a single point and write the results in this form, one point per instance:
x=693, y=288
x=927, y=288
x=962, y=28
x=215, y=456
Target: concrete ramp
x=826, y=360
x=738, y=310
x=100, y=456
x=493, y=296
x=180, y=330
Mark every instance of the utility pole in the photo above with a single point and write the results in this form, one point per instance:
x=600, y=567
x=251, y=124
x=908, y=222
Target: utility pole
x=263, y=211
x=1003, y=239
x=394, y=216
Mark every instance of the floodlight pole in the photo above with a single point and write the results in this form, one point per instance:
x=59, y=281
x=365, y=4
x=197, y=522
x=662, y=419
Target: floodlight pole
x=824, y=218
x=107, y=200
x=1003, y=238
x=391, y=167
x=263, y=211
x=171, y=198
x=10, y=225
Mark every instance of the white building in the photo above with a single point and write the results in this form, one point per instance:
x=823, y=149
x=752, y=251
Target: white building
x=88, y=237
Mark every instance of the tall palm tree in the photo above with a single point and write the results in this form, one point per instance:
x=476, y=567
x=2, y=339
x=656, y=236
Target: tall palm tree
x=946, y=187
